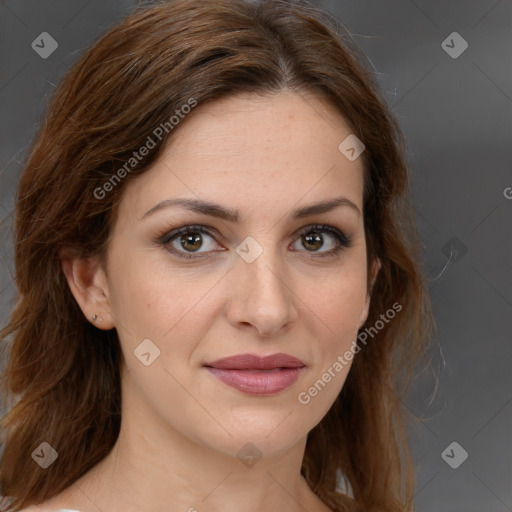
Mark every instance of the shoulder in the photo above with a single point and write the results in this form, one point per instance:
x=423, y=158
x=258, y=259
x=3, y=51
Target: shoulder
x=35, y=508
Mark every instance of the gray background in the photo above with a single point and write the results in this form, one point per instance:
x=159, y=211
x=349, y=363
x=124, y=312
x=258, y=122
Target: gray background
x=457, y=117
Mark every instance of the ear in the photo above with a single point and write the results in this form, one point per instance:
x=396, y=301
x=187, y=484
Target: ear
x=375, y=268
x=88, y=284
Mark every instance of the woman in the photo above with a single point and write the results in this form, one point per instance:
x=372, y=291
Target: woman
x=219, y=296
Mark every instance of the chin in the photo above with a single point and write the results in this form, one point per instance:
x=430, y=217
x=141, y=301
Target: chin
x=257, y=434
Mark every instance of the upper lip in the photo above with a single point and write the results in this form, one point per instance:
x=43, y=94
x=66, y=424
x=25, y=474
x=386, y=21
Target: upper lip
x=255, y=362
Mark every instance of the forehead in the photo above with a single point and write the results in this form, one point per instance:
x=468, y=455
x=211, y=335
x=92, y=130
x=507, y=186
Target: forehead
x=254, y=153
x=285, y=122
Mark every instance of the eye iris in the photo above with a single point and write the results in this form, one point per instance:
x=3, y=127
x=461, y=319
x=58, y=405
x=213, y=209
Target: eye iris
x=191, y=238
x=315, y=239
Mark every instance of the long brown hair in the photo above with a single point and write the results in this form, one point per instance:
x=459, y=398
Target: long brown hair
x=62, y=382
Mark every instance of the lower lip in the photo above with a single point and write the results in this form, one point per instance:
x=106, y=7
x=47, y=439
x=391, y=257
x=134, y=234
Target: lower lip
x=257, y=382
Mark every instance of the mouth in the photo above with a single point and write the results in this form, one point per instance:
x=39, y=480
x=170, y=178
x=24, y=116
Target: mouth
x=255, y=375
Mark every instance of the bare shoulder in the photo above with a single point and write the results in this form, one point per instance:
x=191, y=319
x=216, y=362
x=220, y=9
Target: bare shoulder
x=58, y=503
x=36, y=508
x=42, y=508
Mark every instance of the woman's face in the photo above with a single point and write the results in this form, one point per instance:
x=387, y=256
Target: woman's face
x=272, y=281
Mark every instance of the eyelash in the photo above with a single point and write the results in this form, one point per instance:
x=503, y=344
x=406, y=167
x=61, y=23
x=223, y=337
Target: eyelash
x=342, y=241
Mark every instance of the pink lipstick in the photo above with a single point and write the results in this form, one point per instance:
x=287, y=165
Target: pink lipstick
x=256, y=375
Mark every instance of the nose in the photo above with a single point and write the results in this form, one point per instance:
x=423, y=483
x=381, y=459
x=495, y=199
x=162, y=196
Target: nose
x=263, y=297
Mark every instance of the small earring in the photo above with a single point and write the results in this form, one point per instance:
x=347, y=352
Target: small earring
x=95, y=317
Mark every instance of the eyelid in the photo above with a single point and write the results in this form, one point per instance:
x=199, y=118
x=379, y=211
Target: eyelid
x=202, y=228
x=342, y=240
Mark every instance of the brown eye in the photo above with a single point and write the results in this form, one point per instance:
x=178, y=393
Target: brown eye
x=191, y=242
x=188, y=240
x=313, y=241
x=313, y=238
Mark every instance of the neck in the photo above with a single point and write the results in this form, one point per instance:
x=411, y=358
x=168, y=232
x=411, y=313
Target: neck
x=153, y=467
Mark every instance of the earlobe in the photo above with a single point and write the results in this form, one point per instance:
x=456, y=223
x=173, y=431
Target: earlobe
x=87, y=282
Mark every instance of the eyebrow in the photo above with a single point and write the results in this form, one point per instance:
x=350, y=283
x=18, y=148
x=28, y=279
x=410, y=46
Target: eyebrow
x=222, y=212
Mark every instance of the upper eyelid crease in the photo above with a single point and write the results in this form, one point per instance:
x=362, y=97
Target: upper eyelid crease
x=171, y=233
x=342, y=239
x=229, y=214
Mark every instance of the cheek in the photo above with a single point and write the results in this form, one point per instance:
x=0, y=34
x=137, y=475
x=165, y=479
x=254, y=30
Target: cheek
x=338, y=298
x=335, y=309
x=151, y=301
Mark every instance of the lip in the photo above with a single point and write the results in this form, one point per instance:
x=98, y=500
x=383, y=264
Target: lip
x=257, y=375
x=255, y=362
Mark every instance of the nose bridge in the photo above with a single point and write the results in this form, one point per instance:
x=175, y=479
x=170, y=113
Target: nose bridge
x=264, y=276
x=264, y=298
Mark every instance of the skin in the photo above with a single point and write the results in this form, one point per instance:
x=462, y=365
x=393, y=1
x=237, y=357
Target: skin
x=181, y=427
